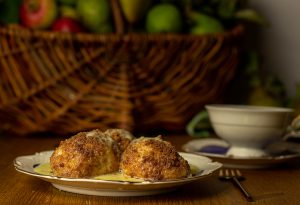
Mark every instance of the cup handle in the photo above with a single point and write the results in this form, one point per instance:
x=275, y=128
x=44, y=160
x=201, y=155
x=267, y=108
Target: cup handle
x=200, y=125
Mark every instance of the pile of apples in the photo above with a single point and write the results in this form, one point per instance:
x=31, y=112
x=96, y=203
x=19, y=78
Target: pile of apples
x=151, y=16
x=67, y=15
x=57, y=15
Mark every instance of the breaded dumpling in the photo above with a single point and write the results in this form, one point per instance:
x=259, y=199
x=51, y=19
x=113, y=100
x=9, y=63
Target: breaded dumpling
x=153, y=159
x=86, y=154
x=122, y=137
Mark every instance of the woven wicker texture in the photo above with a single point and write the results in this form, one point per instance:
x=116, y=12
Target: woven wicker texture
x=67, y=83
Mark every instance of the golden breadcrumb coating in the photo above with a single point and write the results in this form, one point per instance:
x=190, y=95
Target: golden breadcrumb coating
x=153, y=159
x=122, y=137
x=86, y=154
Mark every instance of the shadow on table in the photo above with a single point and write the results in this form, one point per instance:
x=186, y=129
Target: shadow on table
x=203, y=190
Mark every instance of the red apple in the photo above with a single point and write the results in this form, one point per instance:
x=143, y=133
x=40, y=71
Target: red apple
x=65, y=24
x=38, y=14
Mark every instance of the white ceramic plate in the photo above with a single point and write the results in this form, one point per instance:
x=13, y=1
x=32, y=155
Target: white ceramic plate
x=198, y=146
x=26, y=164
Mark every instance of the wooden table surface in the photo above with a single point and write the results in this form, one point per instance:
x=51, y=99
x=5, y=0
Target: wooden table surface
x=274, y=186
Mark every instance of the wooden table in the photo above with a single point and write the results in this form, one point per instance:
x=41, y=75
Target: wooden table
x=271, y=186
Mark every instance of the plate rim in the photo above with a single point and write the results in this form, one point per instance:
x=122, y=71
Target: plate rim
x=50, y=178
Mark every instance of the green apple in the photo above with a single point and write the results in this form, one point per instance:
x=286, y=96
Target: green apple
x=164, y=18
x=94, y=14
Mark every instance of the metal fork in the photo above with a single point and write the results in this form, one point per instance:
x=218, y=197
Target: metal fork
x=235, y=176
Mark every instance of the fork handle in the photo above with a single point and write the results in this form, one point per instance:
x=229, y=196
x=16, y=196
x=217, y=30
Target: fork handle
x=242, y=188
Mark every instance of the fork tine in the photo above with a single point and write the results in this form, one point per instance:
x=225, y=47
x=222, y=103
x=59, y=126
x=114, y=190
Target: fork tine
x=239, y=175
x=227, y=173
x=221, y=174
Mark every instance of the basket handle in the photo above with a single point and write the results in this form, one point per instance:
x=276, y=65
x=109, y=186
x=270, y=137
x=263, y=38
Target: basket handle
x=118, y=17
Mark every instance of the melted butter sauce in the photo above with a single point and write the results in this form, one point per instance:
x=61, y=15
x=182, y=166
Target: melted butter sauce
x=117, y=176
x=45, y=169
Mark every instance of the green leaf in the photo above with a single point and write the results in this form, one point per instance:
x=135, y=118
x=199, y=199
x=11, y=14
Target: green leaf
x=251, y=15
x=252, y=62
x=227, y=8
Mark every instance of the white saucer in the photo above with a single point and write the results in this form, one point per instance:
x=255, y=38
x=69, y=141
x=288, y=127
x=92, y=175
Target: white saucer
x=216, y=149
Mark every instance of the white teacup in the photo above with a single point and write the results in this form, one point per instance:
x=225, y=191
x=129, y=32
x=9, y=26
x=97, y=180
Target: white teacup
x=248, y=129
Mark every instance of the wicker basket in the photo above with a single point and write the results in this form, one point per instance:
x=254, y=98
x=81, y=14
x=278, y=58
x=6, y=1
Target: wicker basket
x=66, y=83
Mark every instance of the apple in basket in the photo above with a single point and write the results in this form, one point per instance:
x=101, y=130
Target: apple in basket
x=38, y=14
x=65, y=24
